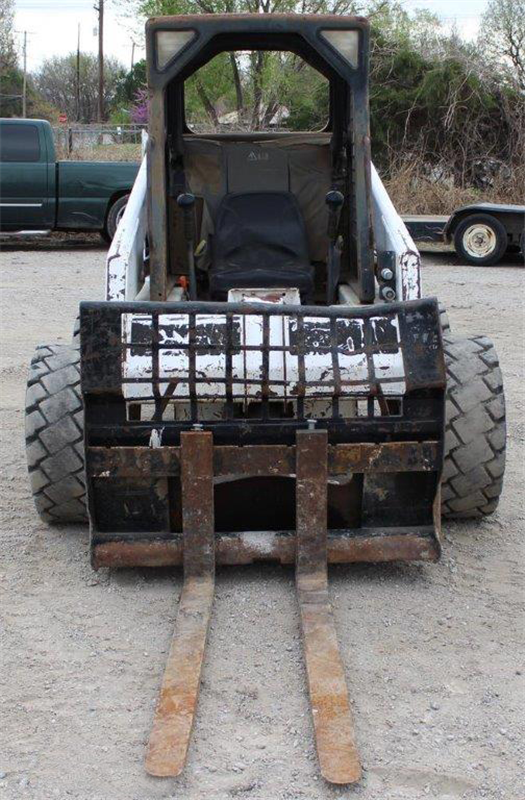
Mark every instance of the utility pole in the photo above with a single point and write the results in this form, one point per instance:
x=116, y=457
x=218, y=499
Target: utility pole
x=100, y=9
x=77, y=87
x=132, y=53
x=24, y=85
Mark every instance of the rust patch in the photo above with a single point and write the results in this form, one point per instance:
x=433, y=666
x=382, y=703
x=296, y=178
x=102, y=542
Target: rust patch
x=332, y=718
x=355, y=547
x=254, y=460
x=173, y=723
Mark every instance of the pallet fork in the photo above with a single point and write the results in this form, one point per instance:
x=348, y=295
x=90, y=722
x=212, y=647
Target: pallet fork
x=332, y=717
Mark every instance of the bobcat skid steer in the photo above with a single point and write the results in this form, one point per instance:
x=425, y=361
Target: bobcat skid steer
x=265, y=380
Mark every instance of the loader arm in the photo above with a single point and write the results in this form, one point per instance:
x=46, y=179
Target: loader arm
x=396, y=250
x=125, y=259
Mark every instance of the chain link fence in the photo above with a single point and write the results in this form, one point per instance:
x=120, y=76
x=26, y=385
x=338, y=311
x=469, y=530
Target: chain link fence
x=99, y=142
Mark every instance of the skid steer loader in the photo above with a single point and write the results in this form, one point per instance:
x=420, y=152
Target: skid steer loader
x=265, y=379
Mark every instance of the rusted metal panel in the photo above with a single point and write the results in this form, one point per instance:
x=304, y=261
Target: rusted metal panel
x=259, y=460
x=170, y=736
x=334, y=731
x=197, y=502
x=311, y=499
x=386, y=457
x=246, y=548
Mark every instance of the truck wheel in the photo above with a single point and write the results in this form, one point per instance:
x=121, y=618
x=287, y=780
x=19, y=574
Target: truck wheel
x=114, y=216
x=55, y=434
x=475, y=430
x=480, y=239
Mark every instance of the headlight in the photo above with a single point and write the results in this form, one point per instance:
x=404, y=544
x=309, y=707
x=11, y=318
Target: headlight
x=169, y=44
x=346, y=43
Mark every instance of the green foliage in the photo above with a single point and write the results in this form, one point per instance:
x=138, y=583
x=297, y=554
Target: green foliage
x=130, y=83
x=119, y=116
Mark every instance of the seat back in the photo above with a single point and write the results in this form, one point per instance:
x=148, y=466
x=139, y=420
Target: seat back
x=260, y=230
x=260, y=241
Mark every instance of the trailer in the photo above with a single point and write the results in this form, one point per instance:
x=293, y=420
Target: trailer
x=481, y=234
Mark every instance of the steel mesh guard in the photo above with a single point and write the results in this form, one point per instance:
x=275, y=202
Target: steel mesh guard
x=260, y=361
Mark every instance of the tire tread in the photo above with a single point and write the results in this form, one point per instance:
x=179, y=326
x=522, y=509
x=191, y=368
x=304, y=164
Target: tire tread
x=475, y=429
x=55, y=436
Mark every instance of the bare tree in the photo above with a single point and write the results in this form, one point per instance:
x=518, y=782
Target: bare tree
x=8, y=57
x=57, y=81
x=503, y=36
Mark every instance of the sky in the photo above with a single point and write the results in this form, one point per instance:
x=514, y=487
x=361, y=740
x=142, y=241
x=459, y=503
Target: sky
x=52, y=26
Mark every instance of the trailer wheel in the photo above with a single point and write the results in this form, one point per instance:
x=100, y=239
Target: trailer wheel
x=481, y=239
x=55, y=434
x=114, y=216
x=475, y=433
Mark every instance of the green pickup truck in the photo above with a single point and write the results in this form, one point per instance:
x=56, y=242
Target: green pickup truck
x=38, y=193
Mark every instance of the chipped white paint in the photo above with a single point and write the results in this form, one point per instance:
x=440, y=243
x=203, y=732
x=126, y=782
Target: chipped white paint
x=155, y=439
x=247, y=366
x=390, y=233
x=125, y=259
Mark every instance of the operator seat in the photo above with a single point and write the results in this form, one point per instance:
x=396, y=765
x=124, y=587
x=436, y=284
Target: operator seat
x=260, y=242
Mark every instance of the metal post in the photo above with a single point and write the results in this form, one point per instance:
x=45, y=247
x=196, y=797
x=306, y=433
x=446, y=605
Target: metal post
x=100, y=111
x=77, y=87
x=24, y=86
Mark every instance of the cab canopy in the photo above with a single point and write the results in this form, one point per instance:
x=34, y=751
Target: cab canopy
x=222, y=163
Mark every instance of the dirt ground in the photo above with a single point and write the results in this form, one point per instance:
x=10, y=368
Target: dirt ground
x=433, y=654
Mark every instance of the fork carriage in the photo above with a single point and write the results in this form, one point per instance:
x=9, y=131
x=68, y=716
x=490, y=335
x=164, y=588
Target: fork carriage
x=380, y=405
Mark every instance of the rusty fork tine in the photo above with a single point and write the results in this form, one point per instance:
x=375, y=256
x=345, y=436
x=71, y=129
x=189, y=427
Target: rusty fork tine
x=173, y=722
x=332, y=717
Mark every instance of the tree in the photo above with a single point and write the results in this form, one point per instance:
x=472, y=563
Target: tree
x=131, y=83
x=502, y=35
x=57, y=79
x=10, y=75
x=8, y=58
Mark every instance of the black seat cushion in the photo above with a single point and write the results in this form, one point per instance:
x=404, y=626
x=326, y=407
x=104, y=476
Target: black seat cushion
x=260, y=241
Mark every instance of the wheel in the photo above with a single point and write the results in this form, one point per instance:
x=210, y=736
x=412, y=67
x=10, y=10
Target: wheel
x=480, y=239
x=55, y=434
x=114, y=216
x=475, y=431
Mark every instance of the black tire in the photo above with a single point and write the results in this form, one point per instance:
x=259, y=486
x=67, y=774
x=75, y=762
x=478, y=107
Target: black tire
x=114, y=214
x=497, y=242
x=475, y=433
x=55, y=434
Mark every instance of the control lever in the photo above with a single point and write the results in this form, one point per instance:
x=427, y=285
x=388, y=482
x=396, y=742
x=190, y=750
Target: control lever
x=334, y=200
x=186, y=202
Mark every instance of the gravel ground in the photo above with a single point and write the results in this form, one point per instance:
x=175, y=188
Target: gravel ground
x=433, y=653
